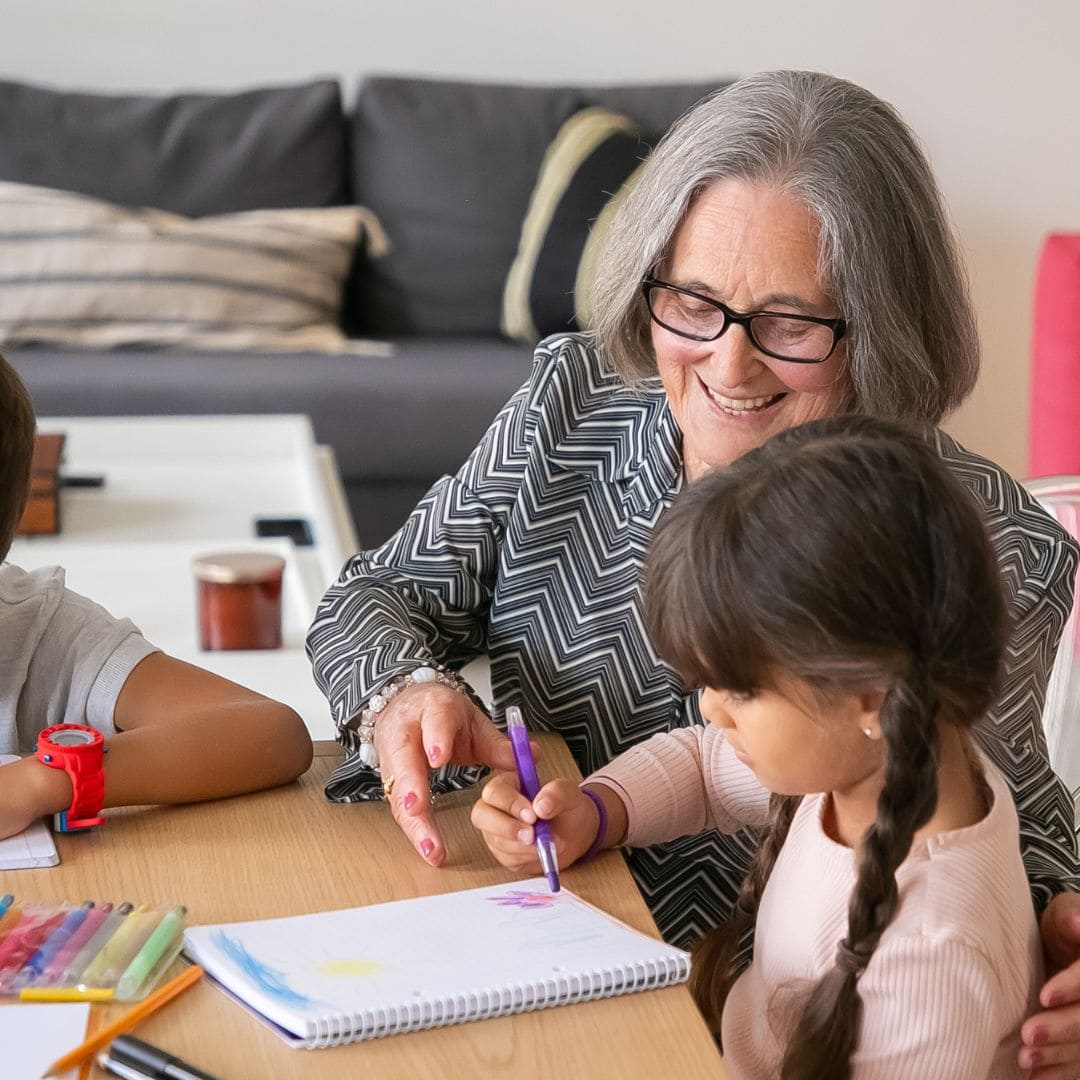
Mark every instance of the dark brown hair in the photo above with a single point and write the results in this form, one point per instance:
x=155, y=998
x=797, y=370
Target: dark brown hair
x=16, y=452
x=843, y=553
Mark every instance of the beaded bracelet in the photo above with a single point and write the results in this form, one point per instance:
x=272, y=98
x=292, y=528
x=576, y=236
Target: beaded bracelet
x=601, y=827
x=428, y=673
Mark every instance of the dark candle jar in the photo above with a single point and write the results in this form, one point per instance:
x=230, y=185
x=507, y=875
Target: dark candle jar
x=239, y=600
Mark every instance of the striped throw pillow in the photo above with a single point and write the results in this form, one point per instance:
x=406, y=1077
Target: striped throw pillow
x=586, y=170
x=78, y=271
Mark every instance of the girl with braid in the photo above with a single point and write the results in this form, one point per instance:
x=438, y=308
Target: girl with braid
x=835, y=594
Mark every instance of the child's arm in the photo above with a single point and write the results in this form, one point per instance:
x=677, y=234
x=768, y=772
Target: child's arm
x=183, y=735
x=677, y=783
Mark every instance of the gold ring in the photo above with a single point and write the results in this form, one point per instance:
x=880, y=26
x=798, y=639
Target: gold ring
x=388, y=786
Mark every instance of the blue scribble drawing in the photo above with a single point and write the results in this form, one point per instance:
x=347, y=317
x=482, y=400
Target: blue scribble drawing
x=266, y=978
x=521, y=898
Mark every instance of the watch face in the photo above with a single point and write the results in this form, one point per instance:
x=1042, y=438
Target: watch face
x=71, y=738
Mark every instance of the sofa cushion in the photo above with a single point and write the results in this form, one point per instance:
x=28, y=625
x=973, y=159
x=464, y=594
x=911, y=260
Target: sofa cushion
x=585, y=166
x=1054, y=422
x=81, y=271
x=448, y=167
x=193, y=154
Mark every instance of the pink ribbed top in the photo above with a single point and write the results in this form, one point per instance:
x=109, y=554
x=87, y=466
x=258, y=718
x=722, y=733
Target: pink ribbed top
x=954, y=975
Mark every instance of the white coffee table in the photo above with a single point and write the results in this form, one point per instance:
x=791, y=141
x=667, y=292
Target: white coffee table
x=177, y=487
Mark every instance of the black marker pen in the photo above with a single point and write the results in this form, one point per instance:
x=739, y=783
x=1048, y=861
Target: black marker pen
x=133, y=1059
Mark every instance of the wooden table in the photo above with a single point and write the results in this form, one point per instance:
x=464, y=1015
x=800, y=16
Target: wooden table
x=288, y=852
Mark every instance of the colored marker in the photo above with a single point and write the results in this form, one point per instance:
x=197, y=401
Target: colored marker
x=5, y=902
x=22, y=942
x=148, y=957
x=63, y=957
x=51, y=945
x=73, y=974
x=530, y=786
x=65, y=993
x=9, y=919
x=121, y=948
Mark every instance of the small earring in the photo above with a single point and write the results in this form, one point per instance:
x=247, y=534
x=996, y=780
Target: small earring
x=868, y=732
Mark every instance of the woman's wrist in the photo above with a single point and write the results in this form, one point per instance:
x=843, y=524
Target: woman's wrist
x=425, y=675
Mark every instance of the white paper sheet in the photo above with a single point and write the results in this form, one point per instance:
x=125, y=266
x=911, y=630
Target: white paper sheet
x=34, y=1036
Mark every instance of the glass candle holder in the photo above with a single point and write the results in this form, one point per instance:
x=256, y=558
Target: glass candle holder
x=239, y=599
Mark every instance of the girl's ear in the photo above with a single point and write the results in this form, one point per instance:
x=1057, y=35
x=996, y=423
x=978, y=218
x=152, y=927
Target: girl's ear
x=869, y=707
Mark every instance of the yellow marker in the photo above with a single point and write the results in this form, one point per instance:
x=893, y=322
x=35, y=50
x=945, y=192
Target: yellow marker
x=65, y=993
x=120, y=948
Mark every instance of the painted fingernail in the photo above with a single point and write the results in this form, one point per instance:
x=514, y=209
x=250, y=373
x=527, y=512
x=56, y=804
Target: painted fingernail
x=410, y=800
x=1040, y=1037
x=426, y=848
x=434, y=753
x=524, y=835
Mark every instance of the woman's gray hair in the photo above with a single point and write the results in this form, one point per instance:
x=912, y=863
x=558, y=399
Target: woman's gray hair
x=888, y=256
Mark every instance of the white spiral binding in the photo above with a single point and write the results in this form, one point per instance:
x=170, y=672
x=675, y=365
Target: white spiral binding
x=490, y=1002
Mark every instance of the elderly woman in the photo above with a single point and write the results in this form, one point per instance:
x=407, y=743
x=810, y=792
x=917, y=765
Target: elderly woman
x=784, y=255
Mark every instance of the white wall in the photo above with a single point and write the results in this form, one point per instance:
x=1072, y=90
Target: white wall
x=993, y=88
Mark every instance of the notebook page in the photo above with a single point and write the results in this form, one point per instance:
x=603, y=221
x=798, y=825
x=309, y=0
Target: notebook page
x=32, y=847
x=34, y=1036
x=411, y=953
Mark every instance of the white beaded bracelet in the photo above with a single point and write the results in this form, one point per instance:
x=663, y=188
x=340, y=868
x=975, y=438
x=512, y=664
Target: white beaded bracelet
x=370, y=713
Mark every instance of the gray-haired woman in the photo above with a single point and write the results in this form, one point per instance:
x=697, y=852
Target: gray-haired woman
x=784, y=255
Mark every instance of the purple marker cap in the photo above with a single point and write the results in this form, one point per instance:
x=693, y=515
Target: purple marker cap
x=530, y=785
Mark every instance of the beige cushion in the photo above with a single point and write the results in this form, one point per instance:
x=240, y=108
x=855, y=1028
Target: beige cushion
x=587, y=170
x=78, y=271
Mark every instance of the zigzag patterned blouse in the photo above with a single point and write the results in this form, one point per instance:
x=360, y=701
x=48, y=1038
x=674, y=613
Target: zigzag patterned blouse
x=533, y=554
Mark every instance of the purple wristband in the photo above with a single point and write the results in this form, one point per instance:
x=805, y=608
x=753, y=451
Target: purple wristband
x=601, y=828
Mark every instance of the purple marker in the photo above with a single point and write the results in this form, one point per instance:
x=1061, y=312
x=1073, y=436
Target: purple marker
x=530, y=785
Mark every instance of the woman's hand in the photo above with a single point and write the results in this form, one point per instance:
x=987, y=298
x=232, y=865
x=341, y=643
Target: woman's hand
x=1051, y=1039
x=423, y=728
x=505, y=818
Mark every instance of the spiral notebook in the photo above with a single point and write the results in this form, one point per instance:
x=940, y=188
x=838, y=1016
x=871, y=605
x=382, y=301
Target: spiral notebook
x=340, y=976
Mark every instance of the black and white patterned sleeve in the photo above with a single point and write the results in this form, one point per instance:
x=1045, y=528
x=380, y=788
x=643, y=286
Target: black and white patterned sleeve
x=1013, y=734
x=423, y=595
x=1038, y=561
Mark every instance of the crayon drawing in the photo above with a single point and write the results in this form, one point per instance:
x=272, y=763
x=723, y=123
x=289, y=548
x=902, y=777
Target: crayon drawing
x=262, y=975
x=348, y=969
x=521, y=898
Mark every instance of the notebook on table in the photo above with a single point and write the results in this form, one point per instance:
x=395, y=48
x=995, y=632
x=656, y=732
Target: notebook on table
x=360, y=973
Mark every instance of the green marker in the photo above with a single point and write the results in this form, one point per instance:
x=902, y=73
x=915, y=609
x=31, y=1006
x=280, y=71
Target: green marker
x=148, y=957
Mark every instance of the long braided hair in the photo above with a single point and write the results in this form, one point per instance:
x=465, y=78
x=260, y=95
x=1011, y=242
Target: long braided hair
x=845, y=554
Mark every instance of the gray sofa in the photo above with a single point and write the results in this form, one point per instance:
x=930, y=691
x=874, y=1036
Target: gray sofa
x=448, y=168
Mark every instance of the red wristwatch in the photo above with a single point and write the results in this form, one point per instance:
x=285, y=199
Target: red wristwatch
x=78, y=750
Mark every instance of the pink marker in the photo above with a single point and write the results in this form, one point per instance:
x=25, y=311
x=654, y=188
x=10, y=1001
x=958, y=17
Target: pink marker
x=59, y=963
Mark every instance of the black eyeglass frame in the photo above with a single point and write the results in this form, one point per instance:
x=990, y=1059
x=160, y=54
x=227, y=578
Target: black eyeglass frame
x=743, y=319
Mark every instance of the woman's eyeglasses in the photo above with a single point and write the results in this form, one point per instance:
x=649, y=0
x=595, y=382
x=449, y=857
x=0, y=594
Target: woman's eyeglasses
x=799, y=339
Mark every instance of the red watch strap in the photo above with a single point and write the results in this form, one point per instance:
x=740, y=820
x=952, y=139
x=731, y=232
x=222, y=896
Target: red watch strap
x=88, y=793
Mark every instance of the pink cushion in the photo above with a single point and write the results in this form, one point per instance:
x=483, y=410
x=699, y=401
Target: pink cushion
x=1054, y=435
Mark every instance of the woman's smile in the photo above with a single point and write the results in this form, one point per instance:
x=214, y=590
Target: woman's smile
x=755, y=249
x=744, y=408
